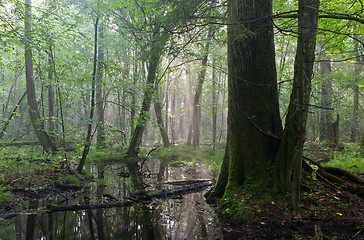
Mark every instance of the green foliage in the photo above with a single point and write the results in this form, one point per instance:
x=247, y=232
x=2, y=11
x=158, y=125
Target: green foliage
x=350, y=159
x=5, y=197
x=177, y=154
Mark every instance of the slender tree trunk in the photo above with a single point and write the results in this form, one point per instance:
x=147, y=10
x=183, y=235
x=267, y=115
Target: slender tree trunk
x=173, y=116
x=86, y=148
x=17, y=94
x=288, y=166
x=326, y=99
x=160, y=40
x=358, y=66
x=100, y=142
x=159, y=116
x=196, y=118
x=166, y=116
x=214, y=105
x=51, y=96
x=133, y=94
x=37, y=122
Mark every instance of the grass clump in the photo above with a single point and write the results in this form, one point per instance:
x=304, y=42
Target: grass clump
x=179, y=154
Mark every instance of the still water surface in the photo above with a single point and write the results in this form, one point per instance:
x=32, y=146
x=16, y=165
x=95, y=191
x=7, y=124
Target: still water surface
x=185, y=217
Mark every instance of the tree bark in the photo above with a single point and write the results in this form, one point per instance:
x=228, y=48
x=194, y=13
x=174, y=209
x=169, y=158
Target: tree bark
x=288, y=165
x=35, y=119
x=359, y=62
x=196, y=117
x=159, y=116
x=326, y=99
x=100, y=138
x=214, y=105
x=86, y=148
x=253, y=116
x=51, y=96
x=159, y=41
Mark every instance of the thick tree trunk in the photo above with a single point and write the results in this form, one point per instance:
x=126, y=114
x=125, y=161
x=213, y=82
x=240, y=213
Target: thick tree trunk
x=288, y=165
x=35, y=119
x=100, y=138
x=160, y=41
x=253, y=117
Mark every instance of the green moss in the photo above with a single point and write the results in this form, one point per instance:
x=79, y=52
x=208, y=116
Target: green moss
x=235, y=203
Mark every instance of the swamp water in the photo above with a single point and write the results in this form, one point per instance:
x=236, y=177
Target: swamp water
x=183, y=217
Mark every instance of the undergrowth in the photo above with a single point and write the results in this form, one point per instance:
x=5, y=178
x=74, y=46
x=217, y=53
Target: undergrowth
x=349, y=159
x=178, y=154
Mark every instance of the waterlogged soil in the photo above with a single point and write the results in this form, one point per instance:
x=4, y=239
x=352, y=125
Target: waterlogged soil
x=325, y=212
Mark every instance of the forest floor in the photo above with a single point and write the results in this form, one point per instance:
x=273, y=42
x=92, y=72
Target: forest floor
x=327, y=210
x=325, y=213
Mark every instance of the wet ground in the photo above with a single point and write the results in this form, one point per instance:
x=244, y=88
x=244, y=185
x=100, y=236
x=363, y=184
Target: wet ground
x=184, y=217
x=326, y=212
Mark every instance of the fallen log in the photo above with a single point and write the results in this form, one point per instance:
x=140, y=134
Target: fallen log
x=67, y=186
x=187, y=182
x=146, y=197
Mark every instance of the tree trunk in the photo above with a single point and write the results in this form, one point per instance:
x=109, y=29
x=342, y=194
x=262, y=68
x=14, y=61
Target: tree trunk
x=86, y=148
x=359, y=62
x=100, y=138
x=253, y=116
x=326, y=99
x=159, y=116
x=51, y=96
x=35, y=119
x=288, y=165
x=196, y=118
x=214, y=105
x=133, y=93
x=334, y=133
x=159, y=40
x=17, y=94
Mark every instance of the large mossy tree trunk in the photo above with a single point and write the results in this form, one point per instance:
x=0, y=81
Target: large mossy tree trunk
x=253, y=116
x=35, y=118
x=288, y=165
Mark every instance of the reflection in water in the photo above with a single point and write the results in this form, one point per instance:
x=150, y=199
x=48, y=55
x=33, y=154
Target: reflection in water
x=187, y=217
